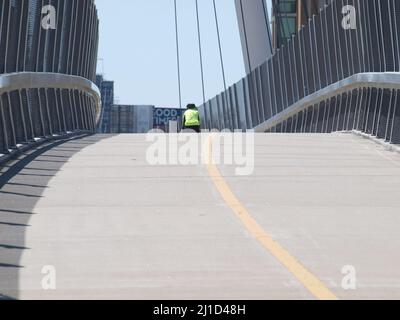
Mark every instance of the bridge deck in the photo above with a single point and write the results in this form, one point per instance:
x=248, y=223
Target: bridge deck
x=115, y=227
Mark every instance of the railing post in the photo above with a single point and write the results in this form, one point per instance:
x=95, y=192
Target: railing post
x=4, y=137
x=395, y=129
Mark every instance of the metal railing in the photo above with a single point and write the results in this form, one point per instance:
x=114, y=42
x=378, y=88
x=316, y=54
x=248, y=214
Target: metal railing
x=40, y=105
x=319, y=81
x=48, y=56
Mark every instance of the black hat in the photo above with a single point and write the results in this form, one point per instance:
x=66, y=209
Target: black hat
x=191, y=106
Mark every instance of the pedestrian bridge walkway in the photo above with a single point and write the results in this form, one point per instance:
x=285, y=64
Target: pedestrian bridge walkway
x=320, y=214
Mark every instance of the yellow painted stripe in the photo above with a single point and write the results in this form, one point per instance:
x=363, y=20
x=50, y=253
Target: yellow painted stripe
x=311, y=282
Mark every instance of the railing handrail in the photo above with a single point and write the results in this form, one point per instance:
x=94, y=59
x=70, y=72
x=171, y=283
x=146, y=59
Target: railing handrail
x=41, y=80
x=378, y=80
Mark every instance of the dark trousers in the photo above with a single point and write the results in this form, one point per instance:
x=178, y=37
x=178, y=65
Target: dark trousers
x=194, y=128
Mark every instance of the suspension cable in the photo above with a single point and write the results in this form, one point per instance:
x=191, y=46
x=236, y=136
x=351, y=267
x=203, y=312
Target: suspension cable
x=177, y=54
x=200, y=51
x=219, y=45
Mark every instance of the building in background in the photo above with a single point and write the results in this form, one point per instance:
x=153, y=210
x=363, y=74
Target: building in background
x=107, y=99
x=284, y=21
x=306, y=9
x=255, y=32
x=288, y=16
x=164, y=116
x=131, y=118
x=117, y=118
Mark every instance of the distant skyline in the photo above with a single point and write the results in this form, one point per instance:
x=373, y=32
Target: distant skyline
x=137, y=49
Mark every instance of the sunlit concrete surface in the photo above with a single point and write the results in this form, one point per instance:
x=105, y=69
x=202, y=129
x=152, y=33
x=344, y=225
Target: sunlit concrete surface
x=114, y=227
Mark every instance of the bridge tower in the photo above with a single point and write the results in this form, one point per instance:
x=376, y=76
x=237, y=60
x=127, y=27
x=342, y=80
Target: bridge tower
x=261, y=35
x=255, y=32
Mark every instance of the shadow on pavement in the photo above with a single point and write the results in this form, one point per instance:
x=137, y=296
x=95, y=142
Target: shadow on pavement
x=22, y=184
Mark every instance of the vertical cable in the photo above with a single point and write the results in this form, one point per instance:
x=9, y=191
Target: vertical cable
x=177, y=55
x=219, y=44
x=200, y=51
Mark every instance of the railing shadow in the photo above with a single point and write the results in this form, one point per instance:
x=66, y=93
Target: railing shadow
x=22, y=184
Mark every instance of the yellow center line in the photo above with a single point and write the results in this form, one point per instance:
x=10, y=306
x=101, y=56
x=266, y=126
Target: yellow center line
x=310, y=281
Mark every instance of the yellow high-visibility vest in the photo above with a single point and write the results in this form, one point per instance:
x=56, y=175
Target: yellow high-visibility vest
x=192, y=118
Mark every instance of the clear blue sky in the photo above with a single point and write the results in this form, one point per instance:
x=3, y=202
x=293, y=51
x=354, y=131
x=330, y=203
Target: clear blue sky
x=137, y=43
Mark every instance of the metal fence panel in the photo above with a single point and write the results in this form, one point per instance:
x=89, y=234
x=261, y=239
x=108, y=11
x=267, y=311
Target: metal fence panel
x=228, y=107
x=309, y=117
x=320, y=117
x=351, y=110
x=341, y=112
x=266, y=92
x=319, y=41
x=299, y=67
x=283, y=65
x=344, y=36
x=359, y=57
x=17, y=116
x=340, y=40
x=223, y=121
x=376, y=36
x=324, y=51
x=207, y=119
x=304, y=61
x=391, y=111
x=5, y=17
x=22, y=36
x=14, y=24
x=394, y=135
x=371, y=110
x=27, y=115
x=366, y=106
x=261, y=90
x=213, y=112
x=68, y=112
x=235, y=97
x=395, y=5
x=241, y=105
x=309, y=58
x=258, y=107
x=252, y=97
x=382, y=119
x=351, y=37
x=314, y=118
x=8, y=121
x=387, y=34
x=248, y=102
x=331, y=36
x=3, y=132
x=295, y=70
